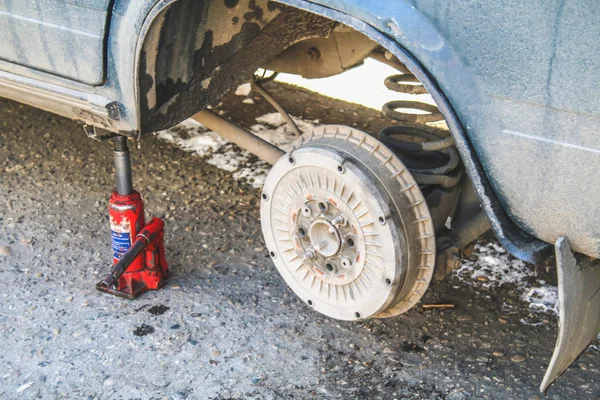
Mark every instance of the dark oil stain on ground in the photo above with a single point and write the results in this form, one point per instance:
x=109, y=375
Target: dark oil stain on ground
x=142, y=307
x=143, y=330
x=158, y=310
x=409, y=347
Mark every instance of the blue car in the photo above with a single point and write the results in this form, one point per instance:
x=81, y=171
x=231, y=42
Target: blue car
x=357, y=224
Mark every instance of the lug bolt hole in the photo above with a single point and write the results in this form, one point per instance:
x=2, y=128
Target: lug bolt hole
x=322, y=206
x=329, y=267
x=264, y=196
x=381, y=220
x=291, y=160
x=388, y=281
x=306, y=211
x=301, y=232
x=340, y=168
x=350, y=242
x=272, y=254
x=357, y=314
x=310, y=303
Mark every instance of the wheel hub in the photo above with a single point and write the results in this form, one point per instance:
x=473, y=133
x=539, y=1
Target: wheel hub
x=324, y=239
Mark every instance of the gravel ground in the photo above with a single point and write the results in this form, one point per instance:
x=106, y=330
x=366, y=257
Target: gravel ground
x=225, y=326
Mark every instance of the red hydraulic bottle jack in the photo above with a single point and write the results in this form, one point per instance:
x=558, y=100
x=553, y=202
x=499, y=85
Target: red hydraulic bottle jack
x=139, y=262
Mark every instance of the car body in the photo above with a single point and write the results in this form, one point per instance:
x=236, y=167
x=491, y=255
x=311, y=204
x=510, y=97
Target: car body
x=516, y=82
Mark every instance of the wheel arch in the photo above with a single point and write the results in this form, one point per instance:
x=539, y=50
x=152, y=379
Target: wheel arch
x=189, y=53
x=415, y=41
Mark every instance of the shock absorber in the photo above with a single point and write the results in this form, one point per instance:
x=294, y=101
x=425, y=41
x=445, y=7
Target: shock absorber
x=139, y=262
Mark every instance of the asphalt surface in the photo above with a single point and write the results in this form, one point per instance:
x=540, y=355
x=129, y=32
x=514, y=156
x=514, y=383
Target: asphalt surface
x=225, y=326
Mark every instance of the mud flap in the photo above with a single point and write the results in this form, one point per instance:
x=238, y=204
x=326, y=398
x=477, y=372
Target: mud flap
x=578, y=307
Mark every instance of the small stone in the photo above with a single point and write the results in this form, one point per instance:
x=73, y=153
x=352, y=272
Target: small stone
x=225, y=247
x=215, y=353
x=387, y=350
x=518, y=358
x=108, y=382
x=243, y=90
x=26, y=241
x=503, y=320
x=498, y=354
x=24, y=387
x=6, y=251
x=483, y=279
x=256, y=380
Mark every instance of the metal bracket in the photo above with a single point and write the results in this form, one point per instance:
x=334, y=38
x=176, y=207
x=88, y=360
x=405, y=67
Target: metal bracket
x=98, y=134
x=578, y=307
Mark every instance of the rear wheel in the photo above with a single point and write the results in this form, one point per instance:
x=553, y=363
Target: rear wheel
x=347, y=226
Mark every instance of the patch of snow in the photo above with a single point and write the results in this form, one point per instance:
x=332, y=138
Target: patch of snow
x=193, y=137
x=273, y=128
x=493, y=267
x=542, y=299
x=243, y=90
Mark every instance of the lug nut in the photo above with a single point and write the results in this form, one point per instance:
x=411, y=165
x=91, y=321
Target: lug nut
x=308, y=255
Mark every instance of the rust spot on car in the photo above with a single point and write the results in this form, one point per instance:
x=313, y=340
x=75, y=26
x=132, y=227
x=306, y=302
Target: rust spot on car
x=357, y=257
x=332, y=201
x=294, y=215
x=355, y=230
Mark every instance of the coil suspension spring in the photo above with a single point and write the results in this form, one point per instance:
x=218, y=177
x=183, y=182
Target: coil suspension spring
x=428, y=152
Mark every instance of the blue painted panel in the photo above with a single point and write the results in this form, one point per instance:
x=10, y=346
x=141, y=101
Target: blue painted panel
x=58, y=36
